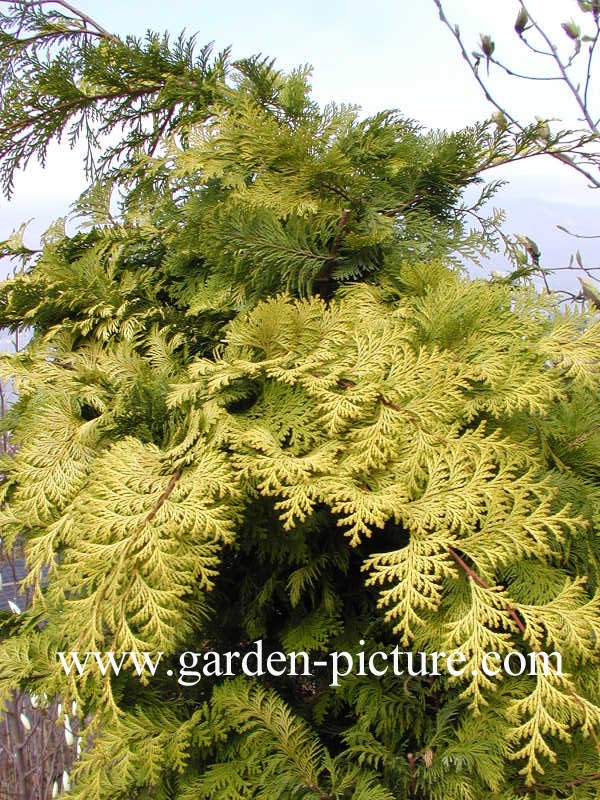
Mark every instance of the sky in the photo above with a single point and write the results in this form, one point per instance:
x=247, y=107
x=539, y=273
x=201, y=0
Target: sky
x=377, y=54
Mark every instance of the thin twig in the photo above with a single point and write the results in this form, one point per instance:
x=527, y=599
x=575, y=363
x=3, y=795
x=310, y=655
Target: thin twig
x=514, y=74
x=478, y=579
x=558, y=155
x=588, y=76
x=579, y=236
x=85, y=18
x=562, y=69
x=115, y=573
x=454, y=30
x=541, y=787
x=583, y=436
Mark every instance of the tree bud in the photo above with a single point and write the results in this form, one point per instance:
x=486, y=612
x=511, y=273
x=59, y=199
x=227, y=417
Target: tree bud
x=572, y=30
x=521, y=21
x=487, y=45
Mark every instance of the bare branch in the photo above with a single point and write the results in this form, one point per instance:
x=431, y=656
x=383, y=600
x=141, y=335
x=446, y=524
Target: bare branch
x=562, y=68
x=571, y=156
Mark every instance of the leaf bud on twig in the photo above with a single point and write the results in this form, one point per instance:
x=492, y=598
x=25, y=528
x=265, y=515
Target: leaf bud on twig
x=521, y=21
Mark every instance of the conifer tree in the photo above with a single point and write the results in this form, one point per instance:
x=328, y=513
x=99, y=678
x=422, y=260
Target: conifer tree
x=263, y=402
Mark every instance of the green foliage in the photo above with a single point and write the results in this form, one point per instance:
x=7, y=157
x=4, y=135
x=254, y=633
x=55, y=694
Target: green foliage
x=61, y=76
x=263, y=401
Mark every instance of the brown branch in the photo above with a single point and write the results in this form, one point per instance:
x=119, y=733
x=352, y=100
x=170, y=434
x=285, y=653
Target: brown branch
x=593, y=733
x=344, y=383
x=336, y=190
x=160, y=131
x=583, y=436
x=343, y=221
x=85, y=18
x=134, y=573
x=161, y=500
x=585, y=779
x=595, y=182
x=406, y=206
x=324, y=276
x=540, y=787
x=519, y=622
x=114, y=574
x=478, y=579
x=23, y=43
x=317, y=790
x=81, y=103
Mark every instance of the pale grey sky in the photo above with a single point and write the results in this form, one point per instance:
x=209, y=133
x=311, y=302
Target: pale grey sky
x=380, y=54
